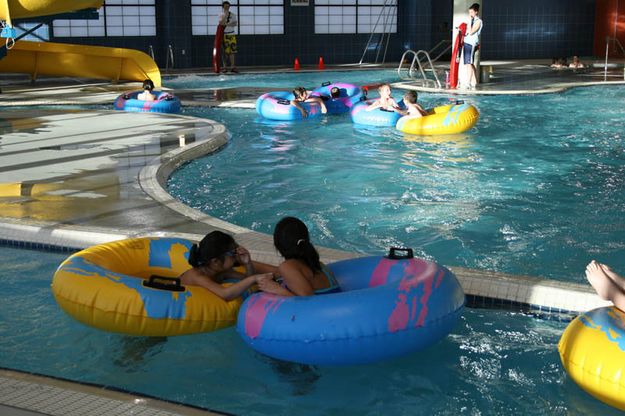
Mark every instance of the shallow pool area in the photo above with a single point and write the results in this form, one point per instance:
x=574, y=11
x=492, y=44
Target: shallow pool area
x=493, y=362
x=527, y=191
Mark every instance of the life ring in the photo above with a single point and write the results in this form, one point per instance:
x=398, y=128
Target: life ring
x=592, y=350
x=445, y=119
x=164, y=103
x=376, y=117
x=349, y=95
x=277, y=106
x=387, y=307
x=110, y=287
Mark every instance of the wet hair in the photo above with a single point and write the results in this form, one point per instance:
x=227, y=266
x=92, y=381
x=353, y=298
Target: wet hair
x=411, y=96
x=335, y=92
x=299, y=91
x=291, y=239
x=475, y=7
x=148, y=85
x=224, y=3
x=213, y=246
x=384, y=85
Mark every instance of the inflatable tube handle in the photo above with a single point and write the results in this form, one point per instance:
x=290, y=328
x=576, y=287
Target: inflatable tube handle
x=395, y=253
x=459, y=102
x=171, y=284
x=284, y=101
x=325, y=84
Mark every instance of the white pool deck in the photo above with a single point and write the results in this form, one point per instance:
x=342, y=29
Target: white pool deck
x=74, y=178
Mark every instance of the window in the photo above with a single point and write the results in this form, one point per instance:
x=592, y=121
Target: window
x=130, y=17
x=40, y=35
x=117, y=18
x=255, y=17
x=355, y=16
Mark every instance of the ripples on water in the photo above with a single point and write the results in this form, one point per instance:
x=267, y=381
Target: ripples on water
x=493, y=363
x=537, y=188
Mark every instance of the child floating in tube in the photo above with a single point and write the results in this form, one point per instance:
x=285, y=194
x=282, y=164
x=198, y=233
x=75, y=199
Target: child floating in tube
x=412, y=108
x=303, y=96
x=301, y=273
x=385, y=102
x=213, y=261
x=147, y=95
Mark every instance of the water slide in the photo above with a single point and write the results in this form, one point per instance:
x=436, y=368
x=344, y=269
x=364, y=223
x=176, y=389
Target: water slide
x=60, y=59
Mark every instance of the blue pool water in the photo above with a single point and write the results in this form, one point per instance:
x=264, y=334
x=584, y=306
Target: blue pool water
x=281, y=80
x=493, y=363
x=536, y=188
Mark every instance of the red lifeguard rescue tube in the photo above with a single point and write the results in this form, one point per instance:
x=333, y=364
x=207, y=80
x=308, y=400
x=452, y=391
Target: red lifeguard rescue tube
x=219, y=41
x=456, y=55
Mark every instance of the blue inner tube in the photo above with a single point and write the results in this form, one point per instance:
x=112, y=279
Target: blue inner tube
x=164, y=103
x=277, y=106
x=377, y=117
x=387, y=308
x=349, y=95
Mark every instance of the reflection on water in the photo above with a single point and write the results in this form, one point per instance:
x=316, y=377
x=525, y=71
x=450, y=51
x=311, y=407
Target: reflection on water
x=134, y=352
x=300, y=377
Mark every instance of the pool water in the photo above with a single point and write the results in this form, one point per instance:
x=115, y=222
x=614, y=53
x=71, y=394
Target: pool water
x=536, y=188
x=493, y=363
x=283, y=81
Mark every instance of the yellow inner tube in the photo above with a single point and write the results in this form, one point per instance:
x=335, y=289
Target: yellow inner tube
x=445, y=119
x=107, y=286
x=592, y=350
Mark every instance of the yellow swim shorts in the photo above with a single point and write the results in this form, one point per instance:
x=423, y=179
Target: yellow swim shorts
x=230, y=44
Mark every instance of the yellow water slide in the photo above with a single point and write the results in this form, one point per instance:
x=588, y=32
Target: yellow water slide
x=60, y=59
x=20, y=9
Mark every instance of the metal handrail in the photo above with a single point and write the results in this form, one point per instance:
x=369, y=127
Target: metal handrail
x=609, y=39
x=416, y=62
x=170, y=58
x=386, y=17
x=151, y=52
x=442, y=42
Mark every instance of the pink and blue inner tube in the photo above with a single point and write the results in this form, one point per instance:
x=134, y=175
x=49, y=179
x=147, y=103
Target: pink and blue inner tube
x=377, y=117
x=388, y=307
x=164, y=103
x=349, y=95
x=277, y=106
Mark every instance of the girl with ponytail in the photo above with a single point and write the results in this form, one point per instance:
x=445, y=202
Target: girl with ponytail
x=213, y=260
x=301, y=272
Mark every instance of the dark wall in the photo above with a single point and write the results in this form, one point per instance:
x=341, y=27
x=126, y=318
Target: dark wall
x=610, y=22
x=512, y=29
x=537, y=28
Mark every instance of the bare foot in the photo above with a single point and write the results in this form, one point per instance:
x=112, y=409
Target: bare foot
x=620, y=282
x=603, y=285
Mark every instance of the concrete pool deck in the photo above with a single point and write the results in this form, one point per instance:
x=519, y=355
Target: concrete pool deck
x=73, y=178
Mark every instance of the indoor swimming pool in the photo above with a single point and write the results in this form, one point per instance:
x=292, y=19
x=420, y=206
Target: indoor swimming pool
x=493, y=362
x=536, y=188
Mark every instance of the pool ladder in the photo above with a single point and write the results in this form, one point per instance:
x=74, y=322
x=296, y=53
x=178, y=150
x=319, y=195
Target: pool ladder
x=417, y=64
x=170, y=59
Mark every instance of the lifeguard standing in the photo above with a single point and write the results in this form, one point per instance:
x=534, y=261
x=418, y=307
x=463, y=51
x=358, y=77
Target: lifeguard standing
x=228, y=20
x=471, y=44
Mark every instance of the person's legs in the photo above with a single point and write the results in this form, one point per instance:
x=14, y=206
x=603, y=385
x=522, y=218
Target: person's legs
x=618, y=280
x=232, y=44
x=467, y=55
x=604, y=285
x=472, y=77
